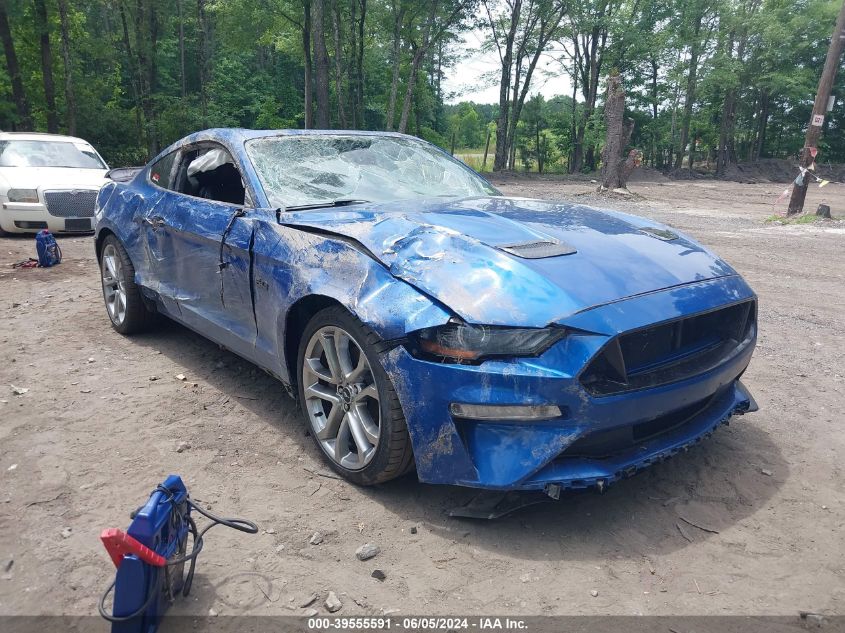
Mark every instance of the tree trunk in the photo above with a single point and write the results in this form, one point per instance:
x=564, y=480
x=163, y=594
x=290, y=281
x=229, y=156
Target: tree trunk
x=690, y=96
x=614, y=170
x=500, y=158
x=338, y=70
x=321, y=60
x=306, y=50
x=70, y=95
x=183, y=83
x=13, y=69
x=618, y=135
x=574, y=129
x=725, y=131
x=43, y=27
x=359, y=69
x=416, y=61
x=202, y=52
x=396, y=60
x=134, y=80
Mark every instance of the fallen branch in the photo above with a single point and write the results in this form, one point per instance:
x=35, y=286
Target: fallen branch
x=684, y=534
x=40, y=501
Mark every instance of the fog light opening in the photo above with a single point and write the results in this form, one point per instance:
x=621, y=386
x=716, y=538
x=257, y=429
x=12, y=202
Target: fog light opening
x=511, y=412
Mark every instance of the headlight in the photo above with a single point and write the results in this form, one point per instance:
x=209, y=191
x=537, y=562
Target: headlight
x=22, y=195
x=469, y=343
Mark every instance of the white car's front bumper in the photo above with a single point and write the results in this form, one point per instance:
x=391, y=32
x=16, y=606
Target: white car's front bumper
x=58, y=210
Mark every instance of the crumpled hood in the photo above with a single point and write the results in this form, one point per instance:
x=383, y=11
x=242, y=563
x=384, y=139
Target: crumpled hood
x=452, y=250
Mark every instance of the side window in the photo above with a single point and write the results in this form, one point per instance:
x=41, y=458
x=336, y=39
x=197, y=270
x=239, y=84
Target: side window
x=210, y=173
x=162, y=171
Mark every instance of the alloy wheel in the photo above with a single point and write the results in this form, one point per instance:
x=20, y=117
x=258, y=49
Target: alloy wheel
x=341, y=397
x=114, y=288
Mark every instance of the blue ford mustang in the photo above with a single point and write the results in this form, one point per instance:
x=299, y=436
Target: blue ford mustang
x=423, y=319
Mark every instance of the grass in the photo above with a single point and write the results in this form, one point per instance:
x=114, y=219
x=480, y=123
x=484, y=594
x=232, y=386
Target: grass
x=806, y=218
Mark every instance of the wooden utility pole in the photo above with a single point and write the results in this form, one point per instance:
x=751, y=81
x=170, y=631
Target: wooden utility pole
x=834, y=52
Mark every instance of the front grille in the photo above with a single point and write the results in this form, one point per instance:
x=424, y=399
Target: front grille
x=670, y=351
x=607, y=443
x=77, y=203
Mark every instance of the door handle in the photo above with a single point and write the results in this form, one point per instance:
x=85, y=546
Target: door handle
x=155, y=222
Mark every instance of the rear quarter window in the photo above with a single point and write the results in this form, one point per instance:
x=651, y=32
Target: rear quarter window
x=161, y=172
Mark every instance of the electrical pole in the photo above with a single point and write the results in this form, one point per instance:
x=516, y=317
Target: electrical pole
x=837, y=41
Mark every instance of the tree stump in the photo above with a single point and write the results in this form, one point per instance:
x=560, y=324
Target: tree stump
x=615, y=170
x=823, y=211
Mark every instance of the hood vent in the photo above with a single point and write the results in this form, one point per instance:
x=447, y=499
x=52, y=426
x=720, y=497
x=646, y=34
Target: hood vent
x=538, y=249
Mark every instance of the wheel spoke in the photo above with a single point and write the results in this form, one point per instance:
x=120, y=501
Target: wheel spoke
x=110, y=267
x=330, y=350
x=316, y=368
x=369, y=427
x=360, y=369
x=369, y=391
x=341, y=441
x=359, y=436
x=323, y=393
x=331, y=429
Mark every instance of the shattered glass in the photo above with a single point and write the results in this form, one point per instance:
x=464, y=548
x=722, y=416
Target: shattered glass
x=301, y=170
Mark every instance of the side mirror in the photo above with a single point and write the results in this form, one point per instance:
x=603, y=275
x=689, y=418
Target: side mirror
x=123, y=174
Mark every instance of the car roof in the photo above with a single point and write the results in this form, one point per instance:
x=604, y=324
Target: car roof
x=234, y=135
x=40, y=136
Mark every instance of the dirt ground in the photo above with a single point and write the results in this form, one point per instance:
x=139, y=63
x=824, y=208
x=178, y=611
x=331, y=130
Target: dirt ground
x=95, y=433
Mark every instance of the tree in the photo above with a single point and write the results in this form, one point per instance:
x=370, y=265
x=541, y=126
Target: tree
x=70, y=95
x=614, y=170
x=47, y=65
x=521, y=31
x=321, y=62
x=24, y=117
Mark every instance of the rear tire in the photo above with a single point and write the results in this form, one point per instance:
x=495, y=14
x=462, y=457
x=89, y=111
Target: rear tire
x=348, y=400
x=124, y=304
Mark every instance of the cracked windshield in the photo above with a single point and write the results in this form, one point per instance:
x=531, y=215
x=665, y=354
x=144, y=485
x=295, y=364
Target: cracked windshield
x=299, y=171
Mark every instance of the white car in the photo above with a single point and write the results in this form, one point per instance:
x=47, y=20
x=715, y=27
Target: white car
x=48, y=181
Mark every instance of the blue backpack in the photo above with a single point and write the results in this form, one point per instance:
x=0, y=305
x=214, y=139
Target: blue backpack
x=49, y=253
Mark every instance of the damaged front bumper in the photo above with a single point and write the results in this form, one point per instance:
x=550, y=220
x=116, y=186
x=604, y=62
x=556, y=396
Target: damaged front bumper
x=576, y=439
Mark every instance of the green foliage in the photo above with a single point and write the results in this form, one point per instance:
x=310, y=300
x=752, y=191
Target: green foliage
x=768, y=53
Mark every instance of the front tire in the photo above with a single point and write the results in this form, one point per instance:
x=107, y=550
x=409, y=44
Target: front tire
x=348, y=400
x=124, y=305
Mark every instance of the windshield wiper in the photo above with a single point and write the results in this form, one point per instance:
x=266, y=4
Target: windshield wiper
x=343, y=202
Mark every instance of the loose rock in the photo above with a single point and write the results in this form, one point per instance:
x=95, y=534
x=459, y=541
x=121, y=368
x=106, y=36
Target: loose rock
x=308, y=601
x=367, y=551
x=766, y=472
x=333, y=603
x=212, y=613
x=378, y=575
x=594, y=593
x=182, y=447
x=181, y=377
x=316, y=538
x=19, y=391
x=310, y=613
x=66, y=532
x=413, y=530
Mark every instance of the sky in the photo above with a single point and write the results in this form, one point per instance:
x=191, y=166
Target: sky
x=476, y=76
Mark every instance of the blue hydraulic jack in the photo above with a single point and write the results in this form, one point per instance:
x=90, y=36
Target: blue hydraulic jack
x=150, y=557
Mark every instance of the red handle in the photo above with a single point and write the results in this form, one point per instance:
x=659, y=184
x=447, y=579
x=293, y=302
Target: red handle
x=118, y=543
